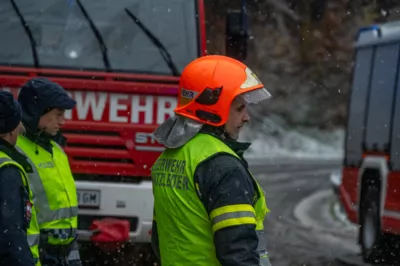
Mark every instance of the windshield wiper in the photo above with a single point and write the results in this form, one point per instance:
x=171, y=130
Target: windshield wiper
x=103, y=47
x=28, y=32
x=163, y=51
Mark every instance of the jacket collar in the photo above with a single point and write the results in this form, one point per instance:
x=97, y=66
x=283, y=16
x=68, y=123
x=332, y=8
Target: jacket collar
x=40, y=138
x=238, y=147
x=15, y=155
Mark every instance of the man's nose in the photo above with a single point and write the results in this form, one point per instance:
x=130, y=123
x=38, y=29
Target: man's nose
x=246, y=117
x=61, y=121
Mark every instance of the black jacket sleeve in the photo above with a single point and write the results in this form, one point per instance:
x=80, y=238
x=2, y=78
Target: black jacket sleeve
x=223, y=180
x=14, y=248
x=154, y=240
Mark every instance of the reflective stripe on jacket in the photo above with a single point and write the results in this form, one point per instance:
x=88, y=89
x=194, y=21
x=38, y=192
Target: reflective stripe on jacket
x=54, y=189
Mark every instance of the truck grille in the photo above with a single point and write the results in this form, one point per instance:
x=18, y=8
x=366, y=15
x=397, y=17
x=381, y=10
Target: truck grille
x=86, y=146
x=104, y=155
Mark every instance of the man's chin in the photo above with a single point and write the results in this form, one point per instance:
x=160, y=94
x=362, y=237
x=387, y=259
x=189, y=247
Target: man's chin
x=234, y=136
x=52, y=133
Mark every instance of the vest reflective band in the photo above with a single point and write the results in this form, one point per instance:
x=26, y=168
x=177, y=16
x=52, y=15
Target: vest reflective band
x=185, y=230
x=54, y=191
x=33, y=231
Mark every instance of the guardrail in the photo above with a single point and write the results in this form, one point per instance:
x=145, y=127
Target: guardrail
x=293, y=164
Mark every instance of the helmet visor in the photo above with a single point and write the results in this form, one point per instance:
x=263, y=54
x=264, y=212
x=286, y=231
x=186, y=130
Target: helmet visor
x=256, y=96
x=253, y=96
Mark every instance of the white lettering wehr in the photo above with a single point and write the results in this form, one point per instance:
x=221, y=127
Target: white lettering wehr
x=117, y=107
x=121, y=108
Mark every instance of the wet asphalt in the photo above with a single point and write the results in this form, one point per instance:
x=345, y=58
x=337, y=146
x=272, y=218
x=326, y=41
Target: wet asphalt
x=301, y=229
x=325, y=240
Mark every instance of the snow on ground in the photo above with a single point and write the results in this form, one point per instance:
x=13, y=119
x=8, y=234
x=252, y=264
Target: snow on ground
x=273, y=138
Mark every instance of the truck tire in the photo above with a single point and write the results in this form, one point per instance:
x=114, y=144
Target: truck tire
x=374, y=244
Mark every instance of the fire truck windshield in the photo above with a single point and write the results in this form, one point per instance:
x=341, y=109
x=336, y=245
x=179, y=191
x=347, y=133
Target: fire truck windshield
x=99, y=35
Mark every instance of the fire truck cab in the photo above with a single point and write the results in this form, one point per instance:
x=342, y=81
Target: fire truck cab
x=121, y=61
x=370, y=189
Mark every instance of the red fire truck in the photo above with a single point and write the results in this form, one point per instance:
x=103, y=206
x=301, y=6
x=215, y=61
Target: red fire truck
x=370, y=188
x=120, y=60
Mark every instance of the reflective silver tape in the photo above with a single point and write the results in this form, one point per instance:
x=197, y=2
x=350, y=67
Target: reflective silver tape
x=73, y=255
x=33, y=240
x=262, y=241
x=4, y=159
x=231, y=215
x=262, y=248
x=44, y=213
x=264, y=261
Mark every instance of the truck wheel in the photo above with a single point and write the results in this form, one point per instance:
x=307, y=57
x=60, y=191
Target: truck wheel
x=375, y=245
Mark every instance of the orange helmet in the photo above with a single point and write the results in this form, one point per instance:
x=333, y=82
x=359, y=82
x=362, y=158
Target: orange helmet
x=209, y=84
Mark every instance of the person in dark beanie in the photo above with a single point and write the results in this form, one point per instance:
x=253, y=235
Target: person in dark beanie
x=15, y=201
x=43, y=103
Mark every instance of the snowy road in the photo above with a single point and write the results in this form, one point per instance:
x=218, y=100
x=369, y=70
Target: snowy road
x=301, y=227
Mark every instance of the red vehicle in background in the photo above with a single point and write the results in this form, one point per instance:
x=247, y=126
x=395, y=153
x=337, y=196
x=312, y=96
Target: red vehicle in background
x=370, y=185
x=120, y=61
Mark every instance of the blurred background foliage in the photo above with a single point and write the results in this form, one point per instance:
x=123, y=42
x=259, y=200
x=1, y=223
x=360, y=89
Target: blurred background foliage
x=302, y=51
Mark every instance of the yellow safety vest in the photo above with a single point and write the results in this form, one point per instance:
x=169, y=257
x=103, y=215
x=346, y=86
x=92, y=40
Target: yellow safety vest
x=33, y=231
x=54, y=189
x=184, y=228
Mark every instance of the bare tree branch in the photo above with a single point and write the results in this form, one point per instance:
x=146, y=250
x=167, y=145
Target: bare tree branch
x=280, y=6
x=280, y=22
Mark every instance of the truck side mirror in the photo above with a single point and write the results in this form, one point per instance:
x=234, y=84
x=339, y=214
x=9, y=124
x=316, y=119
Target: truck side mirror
x=236, y=34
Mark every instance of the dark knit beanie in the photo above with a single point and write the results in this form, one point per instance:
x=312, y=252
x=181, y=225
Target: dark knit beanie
x=10, y=112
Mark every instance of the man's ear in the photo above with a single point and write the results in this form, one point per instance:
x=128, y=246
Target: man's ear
x=40, y=121
x=15, y=132
x=21, y=130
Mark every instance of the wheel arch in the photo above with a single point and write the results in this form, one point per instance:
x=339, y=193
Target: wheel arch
x=375, y=170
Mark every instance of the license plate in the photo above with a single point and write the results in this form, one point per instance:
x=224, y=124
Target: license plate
x=88, y=198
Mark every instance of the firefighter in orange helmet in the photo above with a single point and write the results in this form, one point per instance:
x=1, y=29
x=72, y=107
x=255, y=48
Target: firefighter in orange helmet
x=208, y=208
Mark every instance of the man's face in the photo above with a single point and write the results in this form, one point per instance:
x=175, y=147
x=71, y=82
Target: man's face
x=52, y=121
x=238, y=116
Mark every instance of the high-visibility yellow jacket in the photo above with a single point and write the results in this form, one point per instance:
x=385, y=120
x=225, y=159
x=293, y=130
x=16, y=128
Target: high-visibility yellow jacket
x=185, y=229
x=33, y=231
